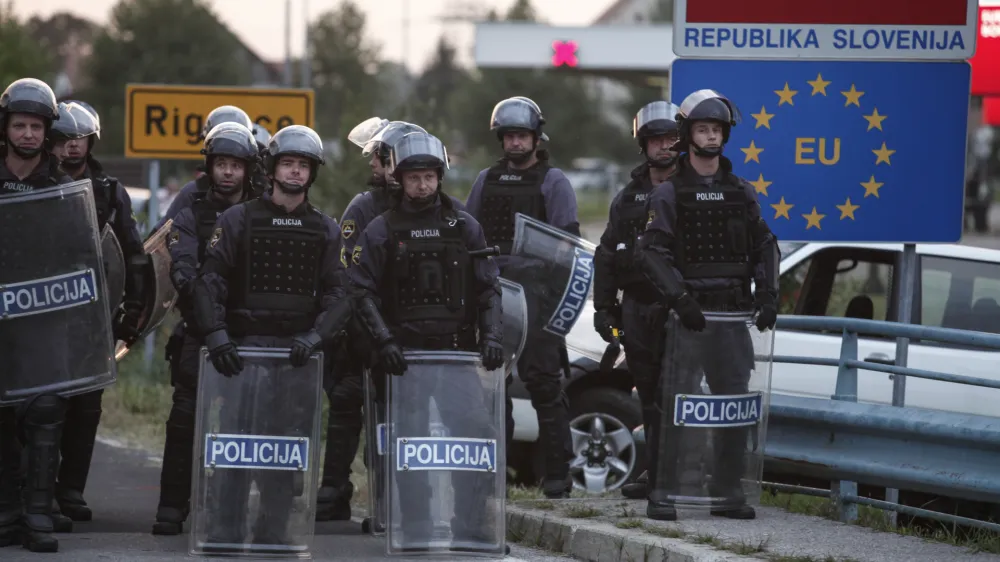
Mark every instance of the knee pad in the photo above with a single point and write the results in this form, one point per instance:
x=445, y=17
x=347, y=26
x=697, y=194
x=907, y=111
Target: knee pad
x=44, y=409
x=548, y=395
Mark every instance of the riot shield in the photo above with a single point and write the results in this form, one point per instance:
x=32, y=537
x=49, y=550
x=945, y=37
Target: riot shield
x=256, y=467
x=556, y=270
x=715, y=394
x=160, y=292
x=446, y=473
x=375, y=439
x=114, y=267
x=55, y=325
x=515, y=322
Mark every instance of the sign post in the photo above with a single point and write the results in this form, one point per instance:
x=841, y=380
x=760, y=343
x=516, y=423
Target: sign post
x=837, y=98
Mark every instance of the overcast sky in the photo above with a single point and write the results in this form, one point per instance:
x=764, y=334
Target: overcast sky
x=260, y=23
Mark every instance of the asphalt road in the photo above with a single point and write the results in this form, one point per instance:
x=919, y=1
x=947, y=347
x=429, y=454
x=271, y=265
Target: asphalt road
x=123, y=492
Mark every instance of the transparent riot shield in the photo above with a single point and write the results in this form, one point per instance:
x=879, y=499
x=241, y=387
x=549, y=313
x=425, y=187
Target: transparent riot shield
x=55, y=324
x=375, y=439
x=446, y=473
x=257, y=456
x=160, y=292
x=114, y=267
x=515, y=322
x=714, y=400
x=556, y=270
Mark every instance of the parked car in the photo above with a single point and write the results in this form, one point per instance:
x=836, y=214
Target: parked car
x=958, y=287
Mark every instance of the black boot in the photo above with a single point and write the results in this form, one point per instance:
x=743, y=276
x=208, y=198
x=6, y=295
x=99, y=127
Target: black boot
x=639, y=489
x=343, y=437
x=77, y=450
x=660, y=511
x=43, y=422
x=741, y=512
x=169, y=521
x=175, y=476
x=334, y=504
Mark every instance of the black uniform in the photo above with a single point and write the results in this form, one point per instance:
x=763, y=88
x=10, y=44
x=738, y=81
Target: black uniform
x=691, y=275
x=544, y=193
x=414, y=264
x=190, y=232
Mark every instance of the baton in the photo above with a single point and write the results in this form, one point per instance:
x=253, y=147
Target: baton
x=485, y=252
x=611, y=352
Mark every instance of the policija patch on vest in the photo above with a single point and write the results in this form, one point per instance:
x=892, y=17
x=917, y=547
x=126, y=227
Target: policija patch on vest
x=216, y=236
x=356, y=255
x=347, y=229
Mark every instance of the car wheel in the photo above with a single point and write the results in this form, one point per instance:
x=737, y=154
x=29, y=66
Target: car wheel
x=605, y=455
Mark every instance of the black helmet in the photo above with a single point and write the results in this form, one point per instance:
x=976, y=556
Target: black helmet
x=655, y=119
x=706, y=105
x=383, y=140
x=226, y=114
x=517, y=113
x=30, y=95
x=230, y=139
x=90, y=108
x=296, y=140
x=418, y=151
x=75, y=122
x=262, y=136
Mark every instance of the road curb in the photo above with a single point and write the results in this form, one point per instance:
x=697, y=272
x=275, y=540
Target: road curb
x=594, y=541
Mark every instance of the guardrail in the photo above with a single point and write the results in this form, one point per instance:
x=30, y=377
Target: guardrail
x=936, y=452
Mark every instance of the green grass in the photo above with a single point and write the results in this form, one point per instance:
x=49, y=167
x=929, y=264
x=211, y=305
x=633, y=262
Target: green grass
x=592, y=206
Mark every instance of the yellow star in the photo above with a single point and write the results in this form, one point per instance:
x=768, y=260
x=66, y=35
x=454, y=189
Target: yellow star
x=760, y=185
x=871, y=187
x=853, y=96
x=763, y=118
x=847, y=209
x=875, y=120
x=752, y=152
x=781, y=209
x=883, y=155
x=813, y=219
x=819, y=85
x=786, y=95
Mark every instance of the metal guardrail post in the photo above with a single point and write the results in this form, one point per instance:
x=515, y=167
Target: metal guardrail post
x=842, y=492
x=847, y=390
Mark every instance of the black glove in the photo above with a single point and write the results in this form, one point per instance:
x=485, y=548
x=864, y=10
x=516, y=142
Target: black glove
x=126, y=324
x=303, y=347
x=605, y=320
x=690, y=313
x=391, y=358
x=173, y=348
x=222, y=352
x=492, y=353
x=767, y=312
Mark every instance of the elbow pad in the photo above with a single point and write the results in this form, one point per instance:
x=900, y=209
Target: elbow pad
x=661, y=274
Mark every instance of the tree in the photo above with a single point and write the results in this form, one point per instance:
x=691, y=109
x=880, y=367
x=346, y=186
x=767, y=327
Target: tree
x=434, y=93
x=21, y=56
x=160, y=42
x=661, y=13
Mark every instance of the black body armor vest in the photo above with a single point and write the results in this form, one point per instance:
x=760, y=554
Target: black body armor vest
x=429, y=277
x=206, y=213
x=632, y=218
x=104, y=197
x=280, y=265
x=506, y=192
x=713, y=229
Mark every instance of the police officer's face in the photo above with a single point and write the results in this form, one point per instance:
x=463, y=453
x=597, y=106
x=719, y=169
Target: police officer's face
x=659, y=147
x=418, y=184
x=518, y=142
x=707, y=134
x=25, y=131
x=228, y=171
x=376, y=165
x=70, y=150
x=292, y=170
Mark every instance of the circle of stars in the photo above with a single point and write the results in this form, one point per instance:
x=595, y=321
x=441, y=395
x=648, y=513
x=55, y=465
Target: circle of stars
x=786, y=96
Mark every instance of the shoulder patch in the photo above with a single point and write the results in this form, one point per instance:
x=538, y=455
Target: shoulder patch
x=216, y=236
x=175, y=237
x=347, y=229
x=651, y=215
x=356, y=255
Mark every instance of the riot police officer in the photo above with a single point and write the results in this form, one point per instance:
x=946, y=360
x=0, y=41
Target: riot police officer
x=263, y=138
x=639, y=313
x=230, y=156
x=27, y=109
x=523, y=181
x=691, y=277
x=424, y=237
x=188, y=193
x=233, y=305
x=72, y=139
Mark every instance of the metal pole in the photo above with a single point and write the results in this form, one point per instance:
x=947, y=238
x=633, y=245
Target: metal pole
x=907, y=294
x=154, y=216
x=288, y=43
x=306, y=48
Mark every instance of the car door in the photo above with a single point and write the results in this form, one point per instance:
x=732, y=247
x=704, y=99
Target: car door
x=840, y=281
x=962, y=294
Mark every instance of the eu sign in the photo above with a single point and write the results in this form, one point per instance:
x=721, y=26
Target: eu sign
x=166, y=121
x=846, y=151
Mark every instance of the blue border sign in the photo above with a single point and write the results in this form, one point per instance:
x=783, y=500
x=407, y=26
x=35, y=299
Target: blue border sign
x=846, y=151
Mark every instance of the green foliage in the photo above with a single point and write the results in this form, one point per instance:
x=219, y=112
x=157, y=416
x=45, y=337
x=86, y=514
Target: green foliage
x=21, y=55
